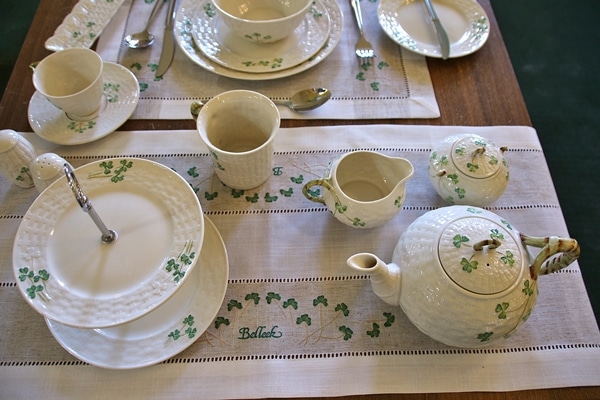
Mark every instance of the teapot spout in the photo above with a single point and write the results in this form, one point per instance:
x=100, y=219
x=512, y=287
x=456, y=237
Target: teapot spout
x=385, y=278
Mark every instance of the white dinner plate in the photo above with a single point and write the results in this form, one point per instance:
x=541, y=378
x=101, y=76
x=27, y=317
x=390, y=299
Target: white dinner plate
x=121, y=94
x=408, y=24
x=164, y=332
x=65, y=272
x=224, y=47
x=185, y=40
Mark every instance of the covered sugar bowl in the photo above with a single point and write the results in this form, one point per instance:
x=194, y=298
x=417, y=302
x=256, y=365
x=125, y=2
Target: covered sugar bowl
x=463, y=275
x=468, y=169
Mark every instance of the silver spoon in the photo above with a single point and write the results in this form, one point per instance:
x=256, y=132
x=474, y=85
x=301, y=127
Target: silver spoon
x=144, y=38
x=304, y=100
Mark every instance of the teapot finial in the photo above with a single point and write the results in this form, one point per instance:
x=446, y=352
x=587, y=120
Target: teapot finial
x=385, y=278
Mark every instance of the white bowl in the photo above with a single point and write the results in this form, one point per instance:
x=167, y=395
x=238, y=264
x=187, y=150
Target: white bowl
x=262, y=21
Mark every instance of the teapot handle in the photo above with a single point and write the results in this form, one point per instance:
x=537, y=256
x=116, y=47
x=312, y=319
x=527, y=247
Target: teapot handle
x=316, y=182
x=556, y=253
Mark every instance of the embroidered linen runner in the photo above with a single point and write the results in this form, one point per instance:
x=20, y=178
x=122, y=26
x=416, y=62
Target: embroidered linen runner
x=295, y=321
x=398, y=77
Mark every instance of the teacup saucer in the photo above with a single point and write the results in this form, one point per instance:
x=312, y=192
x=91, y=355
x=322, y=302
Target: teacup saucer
x=121, y=94
x=164, y=332
x=223, y=46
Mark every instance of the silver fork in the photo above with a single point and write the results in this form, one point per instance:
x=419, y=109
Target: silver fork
x=364, y=49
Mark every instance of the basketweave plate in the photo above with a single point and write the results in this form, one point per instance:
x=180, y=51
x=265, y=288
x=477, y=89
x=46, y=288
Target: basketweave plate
x=65, y=272
x=185, y=40
x=408, y=24
x=225, y=47
x=83, y=25
x=164, y=332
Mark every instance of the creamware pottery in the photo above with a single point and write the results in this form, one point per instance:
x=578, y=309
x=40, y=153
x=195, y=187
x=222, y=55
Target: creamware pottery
x=362, y=189
x=463, y=275
x=468, y=169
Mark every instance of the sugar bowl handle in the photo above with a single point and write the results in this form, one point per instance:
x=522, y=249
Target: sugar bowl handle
x=556, y=253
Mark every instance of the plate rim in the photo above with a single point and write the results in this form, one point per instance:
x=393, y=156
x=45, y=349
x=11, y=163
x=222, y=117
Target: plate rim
x=410, y=44
x=216, y=22
x=55, y=194
x=198, y=301
x=199, y=59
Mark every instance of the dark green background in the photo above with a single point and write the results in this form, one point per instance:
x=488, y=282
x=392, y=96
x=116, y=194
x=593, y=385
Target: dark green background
x=554, y=46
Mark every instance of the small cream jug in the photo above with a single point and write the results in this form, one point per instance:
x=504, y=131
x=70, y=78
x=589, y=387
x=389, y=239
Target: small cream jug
x=468, y=169
x=463, y=275
x=363, y=189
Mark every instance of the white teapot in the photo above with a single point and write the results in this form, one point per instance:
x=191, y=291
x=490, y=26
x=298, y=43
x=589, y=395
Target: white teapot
x=463, y=275
x=468, y=169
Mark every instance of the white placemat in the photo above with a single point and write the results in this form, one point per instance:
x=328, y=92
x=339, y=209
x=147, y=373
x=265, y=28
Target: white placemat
x=284, y=247
x=397, y=86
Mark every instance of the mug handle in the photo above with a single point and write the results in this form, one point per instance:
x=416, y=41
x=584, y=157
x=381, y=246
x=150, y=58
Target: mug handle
x=316, y=182
x=556, y=253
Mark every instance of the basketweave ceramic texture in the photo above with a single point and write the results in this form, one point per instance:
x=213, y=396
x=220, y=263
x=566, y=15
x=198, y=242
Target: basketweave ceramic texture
x=438, y=306
x=16, y=155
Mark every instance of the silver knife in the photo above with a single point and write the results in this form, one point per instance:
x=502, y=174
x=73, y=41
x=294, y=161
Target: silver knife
x=439, y=29
x=168, y=47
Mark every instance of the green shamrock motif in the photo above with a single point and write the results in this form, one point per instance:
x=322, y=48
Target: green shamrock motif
x=460, y=192
x=459, y=239
x=496, y=234
x=375, y=331
x=252, y=297
x=272, y=296
x=236, y=194
x=298, y=179
x=453, y=178
x=209, y=10
x=501, y=310
x=346, y=331
x=485, y=337
x=286, y=193
x=189, y=331
x=320, y=300
x=360, y=76
x=304, y=318
x=253, y=199
x=193, y=172
x=221, y=321
x=358, y=222
x=375, y=86
x=211, y=196
x=389, y=319
x=81, y=126
x=176, y=265
x=269, y=198
x=527, y=288
x=508, y=258
x=382, y=65
x=290, y=303
x=111, y=91
x=340, y=207
x=467, y=265
x=343, y=308
x=472, y=167
x=38, y=282
x=398, y=202
x=460, y=151
x=234, y=304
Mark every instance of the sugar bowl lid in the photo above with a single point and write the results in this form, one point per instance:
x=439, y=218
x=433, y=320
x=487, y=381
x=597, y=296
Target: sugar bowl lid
x=480, y=254
x=476, y=157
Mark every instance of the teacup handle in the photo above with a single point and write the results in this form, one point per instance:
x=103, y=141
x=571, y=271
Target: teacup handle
x=556, y=253
x=316, y=182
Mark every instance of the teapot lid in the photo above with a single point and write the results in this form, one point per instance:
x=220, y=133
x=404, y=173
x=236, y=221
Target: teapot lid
x=480, y=255
x=476, y=156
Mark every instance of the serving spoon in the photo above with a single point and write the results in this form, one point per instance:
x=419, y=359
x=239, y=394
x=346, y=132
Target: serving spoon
x=144, y=38
x=304, y=100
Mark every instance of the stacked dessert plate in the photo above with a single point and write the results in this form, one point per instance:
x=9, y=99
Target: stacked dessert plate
x=139, y=300
x=206, y=40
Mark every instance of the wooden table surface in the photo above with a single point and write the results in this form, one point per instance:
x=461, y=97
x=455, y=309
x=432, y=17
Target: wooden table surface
x=479, y=89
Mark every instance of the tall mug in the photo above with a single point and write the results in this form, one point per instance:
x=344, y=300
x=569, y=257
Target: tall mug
x=239, y=127
x=71, y=79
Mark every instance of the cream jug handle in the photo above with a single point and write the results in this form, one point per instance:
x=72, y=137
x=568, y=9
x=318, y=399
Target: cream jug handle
x=316, y=182
x=556, y=253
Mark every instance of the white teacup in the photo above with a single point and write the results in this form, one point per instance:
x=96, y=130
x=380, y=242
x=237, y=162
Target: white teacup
x=71, y=79
x=239, y=127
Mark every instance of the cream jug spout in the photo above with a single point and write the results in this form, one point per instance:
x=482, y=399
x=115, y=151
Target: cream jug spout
x=385, y=278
